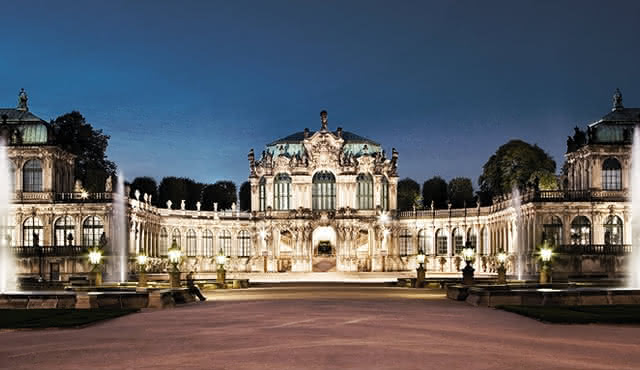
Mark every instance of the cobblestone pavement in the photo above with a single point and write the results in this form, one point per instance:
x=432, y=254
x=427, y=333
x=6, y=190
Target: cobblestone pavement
x=316, y=327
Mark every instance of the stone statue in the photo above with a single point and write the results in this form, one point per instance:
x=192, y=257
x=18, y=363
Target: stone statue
x=150, y=198
x=198, y=205
x=78, y=186
x=145, y=196
x=22, y=100
x=323, y=119
x=182, y=205
x=108, y=185
x=252, y=158
x=137, y=194
x=169, y=203
x=617, y=100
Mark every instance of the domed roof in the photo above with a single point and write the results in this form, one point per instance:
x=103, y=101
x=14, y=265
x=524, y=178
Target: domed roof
x=348, y=137
x=21, y=126
x=616, y=126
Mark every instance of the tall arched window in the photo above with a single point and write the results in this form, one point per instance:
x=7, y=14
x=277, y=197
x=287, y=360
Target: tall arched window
x=405, y=243
x=262, y=191
x=224, y=240
x=32, y=229
x=244, y=243
x=384, y=196
x=552, y=230
x=611, y=174
x=92, y=230
x=472, y=239
x=64, y=227
x=192, y=249
x=282, y=192
x=613, y=230
x=441, y=243
x=458, y=241
x=175, y=237
x=422, y=242
x=164, y=242
x=324, y=191
x=32, y=176
x=207, y=243
x=364, y=191
x=580, y=231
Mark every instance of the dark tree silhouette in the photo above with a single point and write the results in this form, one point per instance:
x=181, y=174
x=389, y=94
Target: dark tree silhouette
x=145, y=184
x=408, y=194
x=245, y=196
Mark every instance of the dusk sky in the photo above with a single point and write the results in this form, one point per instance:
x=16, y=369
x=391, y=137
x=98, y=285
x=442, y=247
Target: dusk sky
x=186, y=88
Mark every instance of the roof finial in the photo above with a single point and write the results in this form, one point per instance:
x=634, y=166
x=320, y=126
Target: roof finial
x=22, y=100
x=617, y=100
x=323, y=119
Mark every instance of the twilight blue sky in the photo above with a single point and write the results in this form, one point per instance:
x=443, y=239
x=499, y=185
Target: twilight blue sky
x=185, y=88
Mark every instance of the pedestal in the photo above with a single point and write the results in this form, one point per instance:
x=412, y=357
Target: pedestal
x=265, y=263
x=142, y=279
x=467, y=274
x=502, y=275
x=174, y=278
x=222, y=274
x=96, y=278
x=420, y=277
x=545, y=275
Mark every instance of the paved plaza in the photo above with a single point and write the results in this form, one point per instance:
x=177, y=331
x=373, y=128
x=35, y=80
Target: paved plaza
x=324, y=327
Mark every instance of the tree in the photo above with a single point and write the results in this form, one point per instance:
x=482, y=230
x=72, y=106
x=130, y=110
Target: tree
x=178, y=189
x=222, y=192
x=512, y=165
x=545, y=180
x=245, y=196
x=76, y=136
x=460, y=192
x=145, y=184
x=408, y=193
x=435, y=190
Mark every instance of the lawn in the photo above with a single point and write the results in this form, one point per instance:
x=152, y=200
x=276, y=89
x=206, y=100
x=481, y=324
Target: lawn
x=611, y=314
x=56, y=318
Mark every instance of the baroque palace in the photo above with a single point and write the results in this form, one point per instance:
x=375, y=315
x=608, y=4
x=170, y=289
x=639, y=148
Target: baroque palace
x=325, y=200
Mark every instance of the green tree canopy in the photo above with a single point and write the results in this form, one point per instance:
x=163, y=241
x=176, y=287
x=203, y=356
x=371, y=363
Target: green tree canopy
x=76, y=136
x=512, y=165
x=435, y=190
x=145, y=184
x=460, y=190
x=222, y=192
x=245, y=196
x=546, y=180
x=408, y=194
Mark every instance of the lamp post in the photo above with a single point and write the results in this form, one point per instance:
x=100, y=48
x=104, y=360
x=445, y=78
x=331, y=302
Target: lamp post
x=545, y=271
x=502, y=270
x=175, y=254
x=142, y=274
x=221, y=259
x=467, y=272
x=420, y=258
x=95, y=256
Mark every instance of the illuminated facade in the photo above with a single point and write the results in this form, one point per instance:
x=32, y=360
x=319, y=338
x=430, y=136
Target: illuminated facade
x=325, y=200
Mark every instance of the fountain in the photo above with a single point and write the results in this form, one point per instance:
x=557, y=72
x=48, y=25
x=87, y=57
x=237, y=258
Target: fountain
x=7, y=261
x=633, y=265
x=119, y=231
x=517, y=238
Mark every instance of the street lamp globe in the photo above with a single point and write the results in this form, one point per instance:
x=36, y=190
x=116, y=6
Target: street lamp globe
x=221, y=259
x=502, y=257
x=468, y=253
x=174, y=253
x=95, y=255
x=421, y=257
x=142, y=259
x=545, y=254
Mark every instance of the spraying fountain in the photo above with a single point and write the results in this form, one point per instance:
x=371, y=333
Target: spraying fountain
x=517, y=238
x=633, y=265
x=7, y=260
x=119, y=232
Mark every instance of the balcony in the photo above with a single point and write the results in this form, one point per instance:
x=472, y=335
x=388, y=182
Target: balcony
x=49, y=251
x=594, y=249
x=46, y=197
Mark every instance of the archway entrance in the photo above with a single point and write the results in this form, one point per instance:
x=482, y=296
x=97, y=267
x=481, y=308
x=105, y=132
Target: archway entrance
x=324, y=249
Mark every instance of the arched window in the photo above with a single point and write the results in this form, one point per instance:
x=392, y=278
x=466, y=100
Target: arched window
x=472, y=239
x=282, y=192
x=64, y=231
x=207, y=243
x=422, y=242
x=224, y=240
x=92, y=230
x=32, y=176
x=405, y=243
x=552, y=230
x=364, y=192
x=175, y=237
x=613, y=230
x=244, y=244
x=164, y=242
x=441, y=243
x=262, y=190
x=324, y=191
x=611, y=174
x=384, y=196
x=581, y=231
x=192, y=249
x=12, y=176
x=458, y=241
x=32, y=230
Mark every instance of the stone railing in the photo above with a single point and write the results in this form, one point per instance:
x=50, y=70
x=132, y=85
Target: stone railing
x=84, y=197
x=600, y=249
x=50, y=251
x=444, y=213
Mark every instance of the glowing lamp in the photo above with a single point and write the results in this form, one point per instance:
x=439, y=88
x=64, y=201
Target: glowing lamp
x=95, y=255
x=502, y=257
x=467, y=253
x=263, y=234
x=420, y=257
x=174, y=253
x=142, y=259
x=221, y=259
x=384, y=218
x=545, y=254
x=84, y=194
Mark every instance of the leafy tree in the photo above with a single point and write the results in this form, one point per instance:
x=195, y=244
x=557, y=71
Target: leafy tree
x=512, y=165
x=222, y=192
x=178, y=189
x=147, y=185
x=245, y=196
x=76, y=136
x=460, y=192
x=546, y=180
x=435, y=190
x=408, y=193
